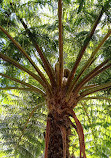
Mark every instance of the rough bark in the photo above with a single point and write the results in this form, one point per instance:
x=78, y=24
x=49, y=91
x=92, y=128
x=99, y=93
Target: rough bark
x=59, y=124
x=55, y=149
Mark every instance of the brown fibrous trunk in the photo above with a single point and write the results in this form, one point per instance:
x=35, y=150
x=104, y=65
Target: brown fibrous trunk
x=55, y=148
x=59, y=119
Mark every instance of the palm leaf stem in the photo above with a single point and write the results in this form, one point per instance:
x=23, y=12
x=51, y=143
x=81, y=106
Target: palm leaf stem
x=15, y=63
x=72, y=124
x=90, y=60
x=80, y=134
x=25, y=89
x=81, y=53
x=60, y=42
x=98, y=97
x=89, y=86
x=26, y=55
x=92, y=74
x=47, y=65
x=93, y=90
x=24, y=83
x=71, y=88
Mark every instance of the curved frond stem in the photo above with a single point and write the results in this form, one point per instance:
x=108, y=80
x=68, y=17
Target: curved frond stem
x=26, y=55
x=93, y=90
x=72, y=124
x=60, y=42
x=81, y=53
x=80, y=134
x=88, y=77
x=98, y=72
x=74, y=82
x=15, y=63
x=35, y=89
x=89, y=86
x=48, y=68
x=92, y=74
x=24, y=89
x=98, y=97
x=28, y=120
x=90, y=60
x=47, y=137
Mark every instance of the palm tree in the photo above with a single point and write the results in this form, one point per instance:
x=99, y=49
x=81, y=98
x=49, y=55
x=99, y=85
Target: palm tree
x=62, y=88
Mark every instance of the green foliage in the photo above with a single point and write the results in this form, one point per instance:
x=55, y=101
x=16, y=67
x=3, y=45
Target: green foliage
x=16, y=106
x=97, y=126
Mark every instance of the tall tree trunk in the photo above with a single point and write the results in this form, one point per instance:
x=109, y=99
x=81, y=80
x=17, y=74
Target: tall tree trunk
x=59, y=130
x=56, y=141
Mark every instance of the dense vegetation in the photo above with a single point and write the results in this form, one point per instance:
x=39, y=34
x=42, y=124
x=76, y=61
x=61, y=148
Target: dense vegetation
x=54, y=72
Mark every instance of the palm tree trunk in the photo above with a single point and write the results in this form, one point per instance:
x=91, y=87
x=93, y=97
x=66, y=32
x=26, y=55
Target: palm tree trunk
x=58, y=124
x=56, y=147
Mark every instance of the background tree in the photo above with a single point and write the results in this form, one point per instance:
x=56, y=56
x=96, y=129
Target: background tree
x=40, y=34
